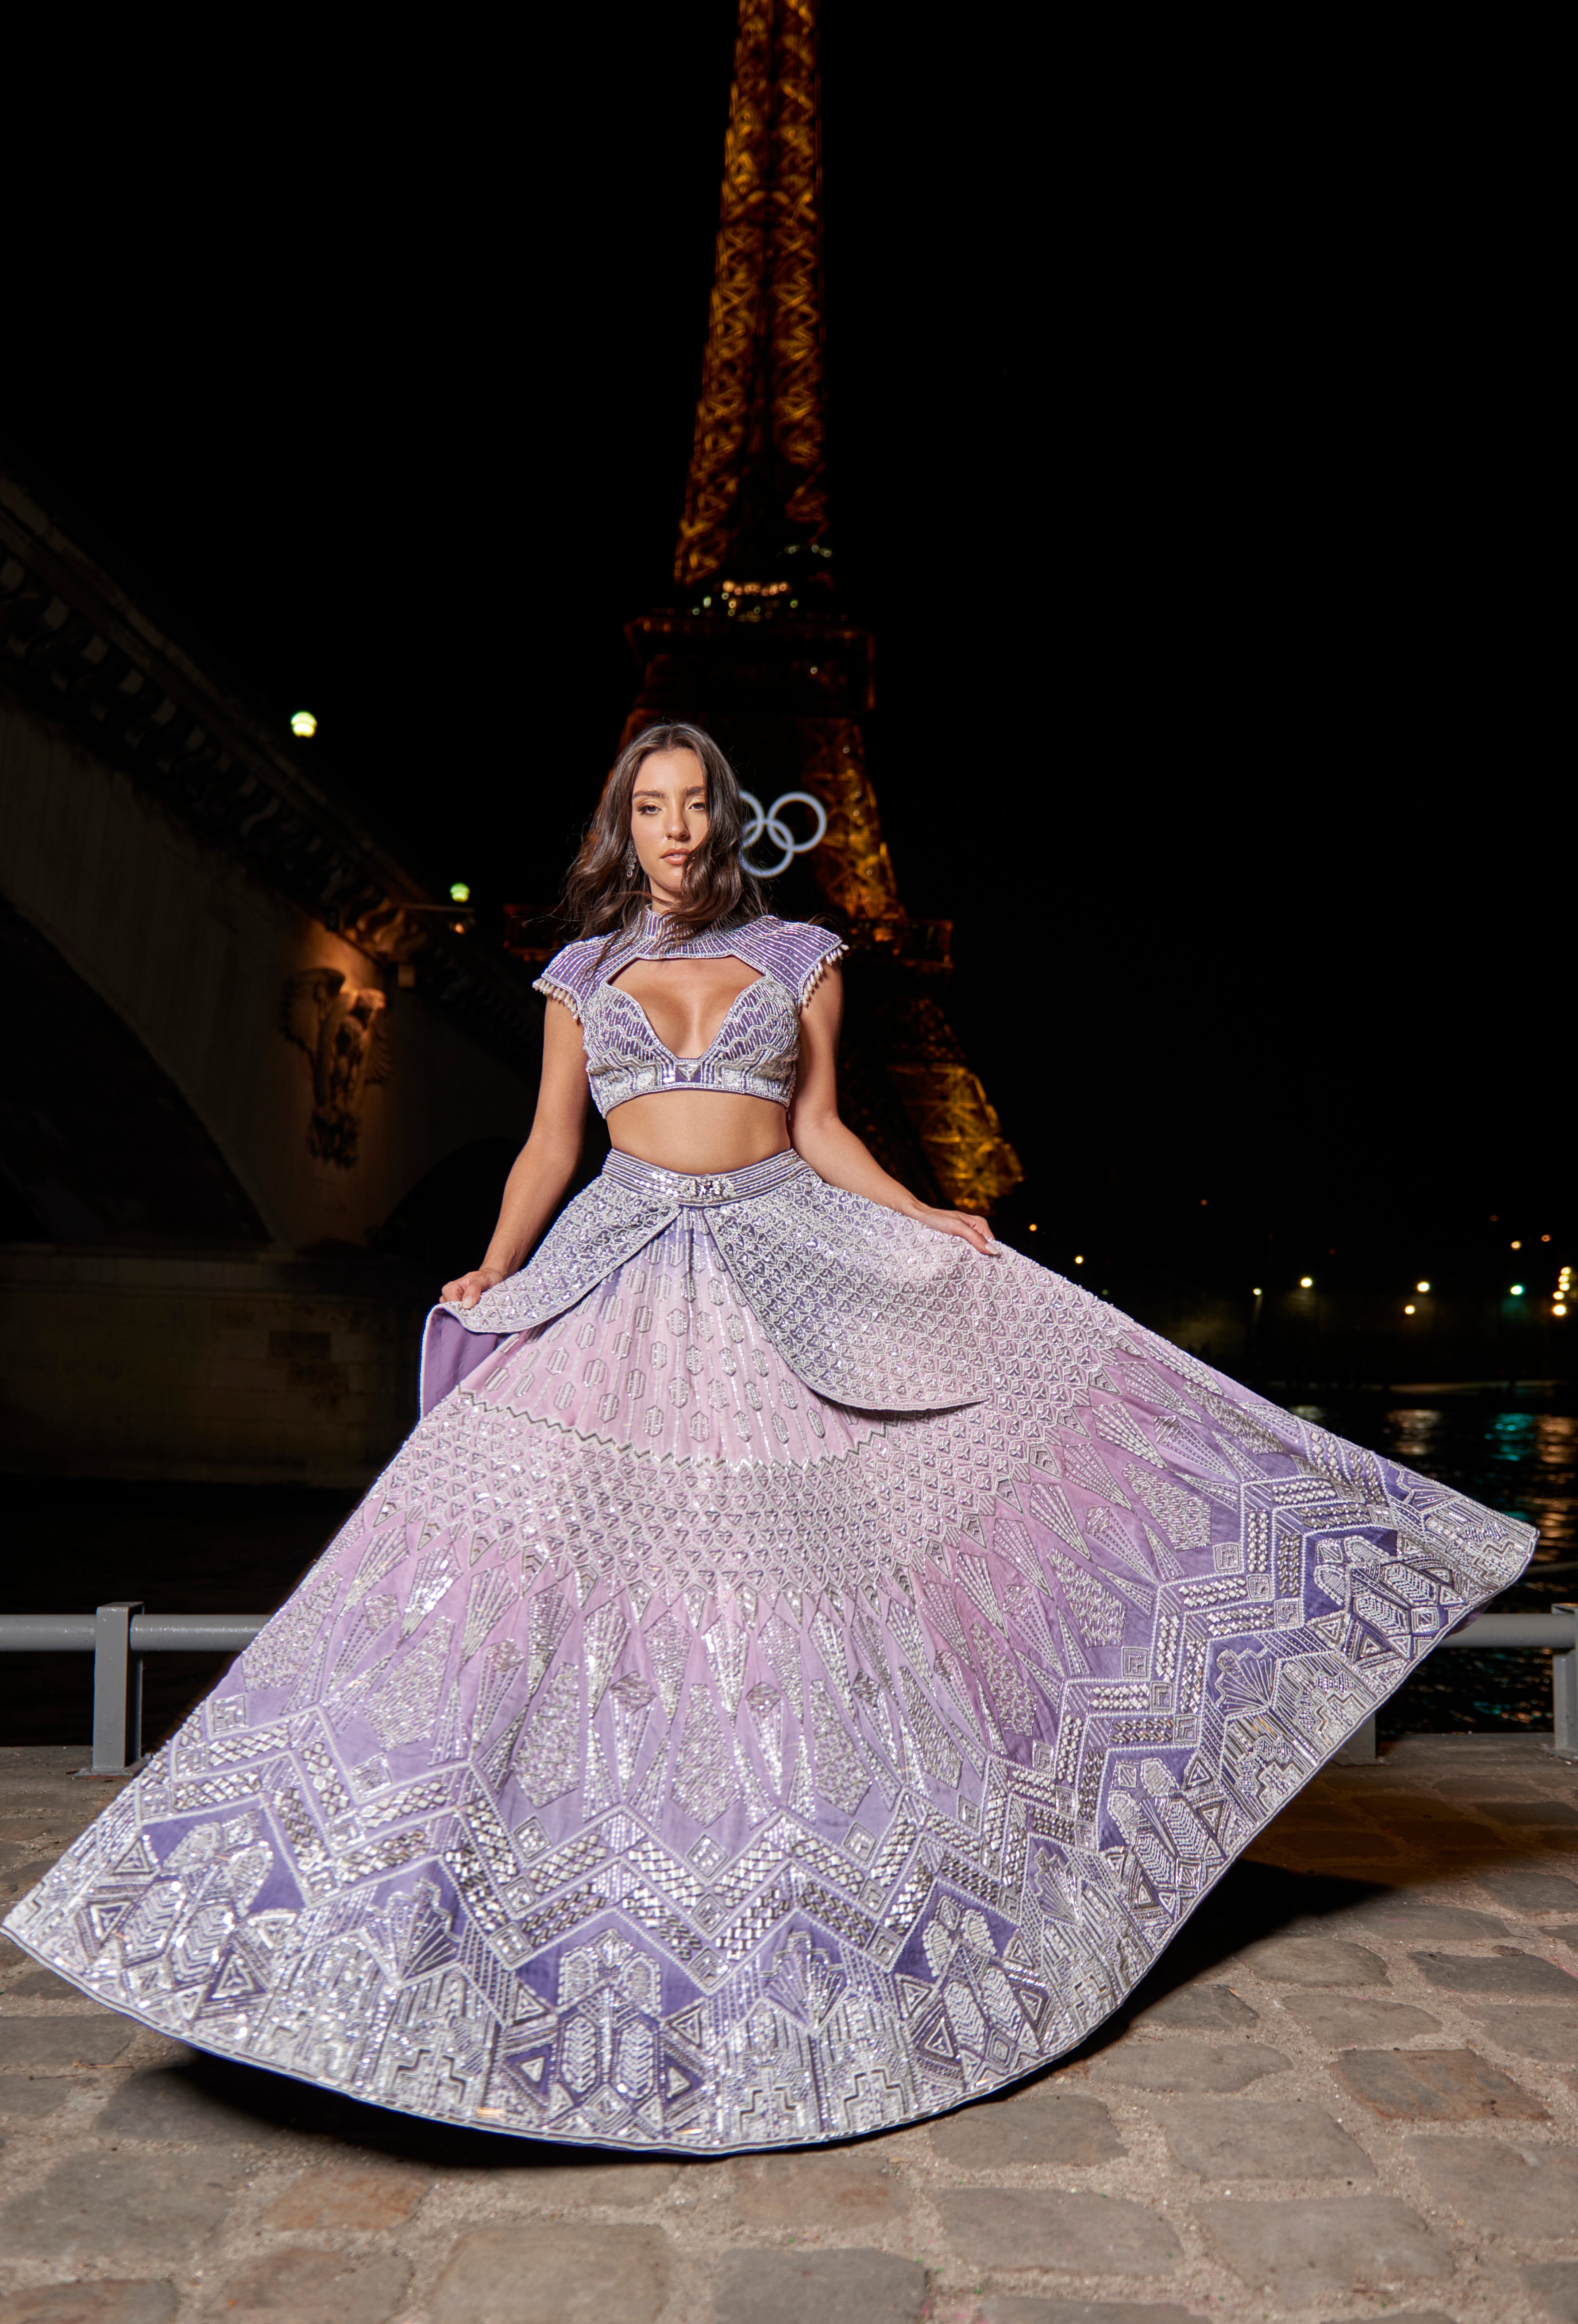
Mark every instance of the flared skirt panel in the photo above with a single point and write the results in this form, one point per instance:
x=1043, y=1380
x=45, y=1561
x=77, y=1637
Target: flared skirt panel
x=666, y=1757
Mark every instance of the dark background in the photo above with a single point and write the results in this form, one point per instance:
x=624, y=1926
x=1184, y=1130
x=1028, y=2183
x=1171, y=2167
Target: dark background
x=1192, y=440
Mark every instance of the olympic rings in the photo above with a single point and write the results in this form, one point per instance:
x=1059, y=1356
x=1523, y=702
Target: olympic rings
x=778, y=832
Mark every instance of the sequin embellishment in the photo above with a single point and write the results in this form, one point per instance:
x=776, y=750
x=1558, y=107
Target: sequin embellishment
x=751, y=1769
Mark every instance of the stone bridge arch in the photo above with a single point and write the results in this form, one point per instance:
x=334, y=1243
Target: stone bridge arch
x=206, y=939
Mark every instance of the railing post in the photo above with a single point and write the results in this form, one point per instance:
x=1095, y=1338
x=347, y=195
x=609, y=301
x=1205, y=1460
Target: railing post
x=117, y=1690
x=1565, y=1692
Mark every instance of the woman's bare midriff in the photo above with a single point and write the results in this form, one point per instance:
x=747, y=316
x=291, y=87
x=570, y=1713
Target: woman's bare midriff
x=697, y=1130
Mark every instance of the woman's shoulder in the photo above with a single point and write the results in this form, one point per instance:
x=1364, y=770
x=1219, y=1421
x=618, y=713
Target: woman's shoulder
x=796, y=952
x=571, y=973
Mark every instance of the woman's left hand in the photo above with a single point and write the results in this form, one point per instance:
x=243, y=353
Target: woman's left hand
x=963, y=1223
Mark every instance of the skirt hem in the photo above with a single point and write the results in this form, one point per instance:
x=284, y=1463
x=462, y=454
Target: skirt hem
x=702, y=2150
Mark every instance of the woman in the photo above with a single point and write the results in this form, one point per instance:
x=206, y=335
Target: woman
x=808, y=1660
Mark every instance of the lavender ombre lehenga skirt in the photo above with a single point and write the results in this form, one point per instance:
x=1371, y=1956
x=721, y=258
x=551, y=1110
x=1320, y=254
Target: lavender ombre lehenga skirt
x=666, y=1754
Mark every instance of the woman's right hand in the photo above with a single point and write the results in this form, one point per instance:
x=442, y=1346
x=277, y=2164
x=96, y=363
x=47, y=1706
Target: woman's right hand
x=467, y=1289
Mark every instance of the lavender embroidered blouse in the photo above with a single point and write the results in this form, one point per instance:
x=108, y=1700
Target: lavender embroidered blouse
x=754, y=1051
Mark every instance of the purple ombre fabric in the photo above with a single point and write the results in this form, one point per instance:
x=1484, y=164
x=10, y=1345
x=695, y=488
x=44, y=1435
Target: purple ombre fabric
x=450, y=1354
x=798, y=1675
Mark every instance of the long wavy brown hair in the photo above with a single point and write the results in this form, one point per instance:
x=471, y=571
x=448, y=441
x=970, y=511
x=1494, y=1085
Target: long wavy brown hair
x=606, y=888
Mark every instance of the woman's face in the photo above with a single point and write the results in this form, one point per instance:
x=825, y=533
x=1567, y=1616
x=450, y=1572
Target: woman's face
x=668, y=820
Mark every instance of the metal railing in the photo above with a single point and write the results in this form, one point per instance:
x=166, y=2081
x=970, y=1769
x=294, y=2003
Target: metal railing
x=1494, y=1633
x=118, y=1637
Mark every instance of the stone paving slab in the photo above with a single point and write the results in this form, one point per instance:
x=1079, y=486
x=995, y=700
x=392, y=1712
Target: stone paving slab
x=1346, y=2093
x=1229, y=2139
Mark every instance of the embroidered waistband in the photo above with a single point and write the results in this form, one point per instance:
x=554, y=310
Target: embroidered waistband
x=730, y=1186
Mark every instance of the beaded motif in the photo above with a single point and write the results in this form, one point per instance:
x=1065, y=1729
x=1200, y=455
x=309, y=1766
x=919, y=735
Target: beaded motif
x=867, y=1306
x=667, y=1757
x=755, y=1049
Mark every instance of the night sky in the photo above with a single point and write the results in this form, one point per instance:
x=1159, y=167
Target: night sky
x=1186, y=461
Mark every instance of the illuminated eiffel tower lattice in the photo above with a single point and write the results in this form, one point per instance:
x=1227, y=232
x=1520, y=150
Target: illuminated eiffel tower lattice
x=758, y=650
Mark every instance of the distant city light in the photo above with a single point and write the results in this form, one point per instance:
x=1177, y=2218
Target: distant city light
x=1516, y=1290
x=1544, y=1238
x=1559, y=1308
x=1409, y=1309
x=459, y=893
x=1033, y=1226
x=1205, y=1200
x=302, y=722
x=1257, y=1293
x=1421, y=1286
x=1078, y=1260
x=1517, y=1246
x=1307, y=1283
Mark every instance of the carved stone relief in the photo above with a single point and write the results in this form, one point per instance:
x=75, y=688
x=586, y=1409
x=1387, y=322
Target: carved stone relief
x=339, y=1029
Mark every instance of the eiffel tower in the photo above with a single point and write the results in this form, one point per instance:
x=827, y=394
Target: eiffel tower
x=758, y=650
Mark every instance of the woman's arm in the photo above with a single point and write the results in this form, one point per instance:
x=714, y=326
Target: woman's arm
x=833, y=1151
x=545, y=1165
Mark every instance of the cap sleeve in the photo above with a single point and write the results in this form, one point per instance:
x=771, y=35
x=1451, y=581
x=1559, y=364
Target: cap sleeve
x=565, y=979
x=801, y=953
x=826, y=950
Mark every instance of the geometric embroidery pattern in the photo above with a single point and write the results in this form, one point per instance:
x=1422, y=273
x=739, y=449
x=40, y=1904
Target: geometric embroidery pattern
x=762, y=1770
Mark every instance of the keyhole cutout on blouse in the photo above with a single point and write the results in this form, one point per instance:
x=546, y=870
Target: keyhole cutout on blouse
x=687, y=1003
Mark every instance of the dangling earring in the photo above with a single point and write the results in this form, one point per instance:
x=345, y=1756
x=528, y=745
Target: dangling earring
x=632, y=866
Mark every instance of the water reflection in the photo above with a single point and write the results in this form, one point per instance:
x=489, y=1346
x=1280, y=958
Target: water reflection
x=1521, y=1459
x=1413, y=1437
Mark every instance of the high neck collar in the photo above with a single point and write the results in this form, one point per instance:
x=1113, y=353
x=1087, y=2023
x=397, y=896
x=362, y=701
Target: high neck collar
x=651, y=936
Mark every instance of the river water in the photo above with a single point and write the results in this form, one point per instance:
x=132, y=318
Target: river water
x=1518, y=1454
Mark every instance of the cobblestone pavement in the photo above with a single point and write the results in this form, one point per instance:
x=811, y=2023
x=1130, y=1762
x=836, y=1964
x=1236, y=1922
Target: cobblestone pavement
x=1350, y=2090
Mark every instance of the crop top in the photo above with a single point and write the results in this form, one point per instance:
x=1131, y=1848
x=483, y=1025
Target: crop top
x=754, y=1050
